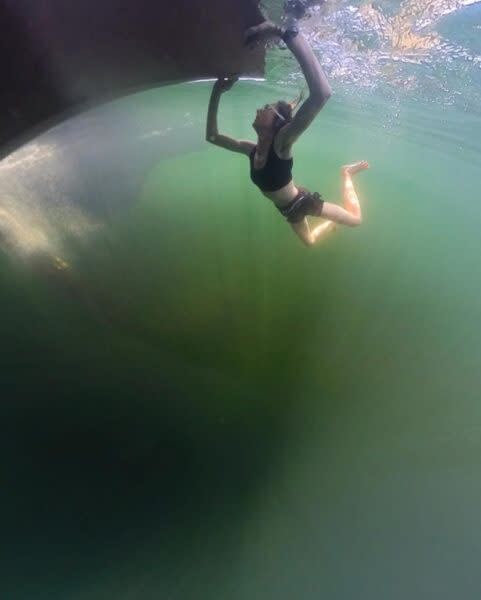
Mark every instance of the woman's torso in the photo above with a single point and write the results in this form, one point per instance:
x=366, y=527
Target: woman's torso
x=287, y=192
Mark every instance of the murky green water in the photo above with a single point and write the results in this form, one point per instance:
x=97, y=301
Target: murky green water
x=193, y=404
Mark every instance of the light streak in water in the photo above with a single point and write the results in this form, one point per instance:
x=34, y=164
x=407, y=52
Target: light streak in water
x=35, y=216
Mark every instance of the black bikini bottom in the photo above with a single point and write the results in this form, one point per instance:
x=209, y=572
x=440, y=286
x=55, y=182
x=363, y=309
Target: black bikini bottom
x=303, y=204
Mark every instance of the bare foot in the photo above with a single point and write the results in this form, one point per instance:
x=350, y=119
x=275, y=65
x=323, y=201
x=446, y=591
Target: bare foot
x=354, y=168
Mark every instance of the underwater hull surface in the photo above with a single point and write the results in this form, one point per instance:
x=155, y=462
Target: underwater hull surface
x=59, y=58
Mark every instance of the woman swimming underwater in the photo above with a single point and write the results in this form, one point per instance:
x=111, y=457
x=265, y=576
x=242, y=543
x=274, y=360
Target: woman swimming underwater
x=277, y=130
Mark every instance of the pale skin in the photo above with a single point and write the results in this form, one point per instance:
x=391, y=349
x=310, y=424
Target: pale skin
x=270, y=131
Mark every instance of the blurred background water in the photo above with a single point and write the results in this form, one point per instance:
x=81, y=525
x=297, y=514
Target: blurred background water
x=193, y=404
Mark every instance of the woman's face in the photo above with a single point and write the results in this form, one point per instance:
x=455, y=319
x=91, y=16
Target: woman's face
x=265, y=118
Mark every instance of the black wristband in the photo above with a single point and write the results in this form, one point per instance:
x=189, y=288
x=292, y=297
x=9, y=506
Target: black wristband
x=289, y=34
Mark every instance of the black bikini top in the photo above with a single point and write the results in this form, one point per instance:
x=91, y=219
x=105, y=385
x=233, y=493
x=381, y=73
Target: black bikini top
x=276, y=173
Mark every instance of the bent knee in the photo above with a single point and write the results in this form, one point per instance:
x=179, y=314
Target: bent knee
x=347, y=218
x=308, y=241
x=355, y=221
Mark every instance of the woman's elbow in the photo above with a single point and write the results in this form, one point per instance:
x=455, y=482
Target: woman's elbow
x=321, y=96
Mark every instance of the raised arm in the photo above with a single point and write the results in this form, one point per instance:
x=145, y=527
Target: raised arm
x=212, y=134
x=319, y=89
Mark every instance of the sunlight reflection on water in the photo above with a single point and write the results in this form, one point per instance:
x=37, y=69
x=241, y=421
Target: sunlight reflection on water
x=396, y=49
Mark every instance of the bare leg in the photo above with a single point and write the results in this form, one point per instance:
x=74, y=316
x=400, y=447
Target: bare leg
x=351, y=214
x=351, y=201
x=322, y=229
x=308, y=236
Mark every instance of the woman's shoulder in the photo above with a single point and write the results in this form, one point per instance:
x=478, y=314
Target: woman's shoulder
x=283, y=151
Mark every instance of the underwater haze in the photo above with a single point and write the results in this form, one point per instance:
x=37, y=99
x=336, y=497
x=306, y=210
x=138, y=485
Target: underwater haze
x=195, y=405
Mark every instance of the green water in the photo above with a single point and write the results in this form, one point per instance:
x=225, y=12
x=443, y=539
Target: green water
x=200, y=407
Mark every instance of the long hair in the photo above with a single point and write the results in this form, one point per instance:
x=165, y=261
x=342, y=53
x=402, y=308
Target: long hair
x=286, y=109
